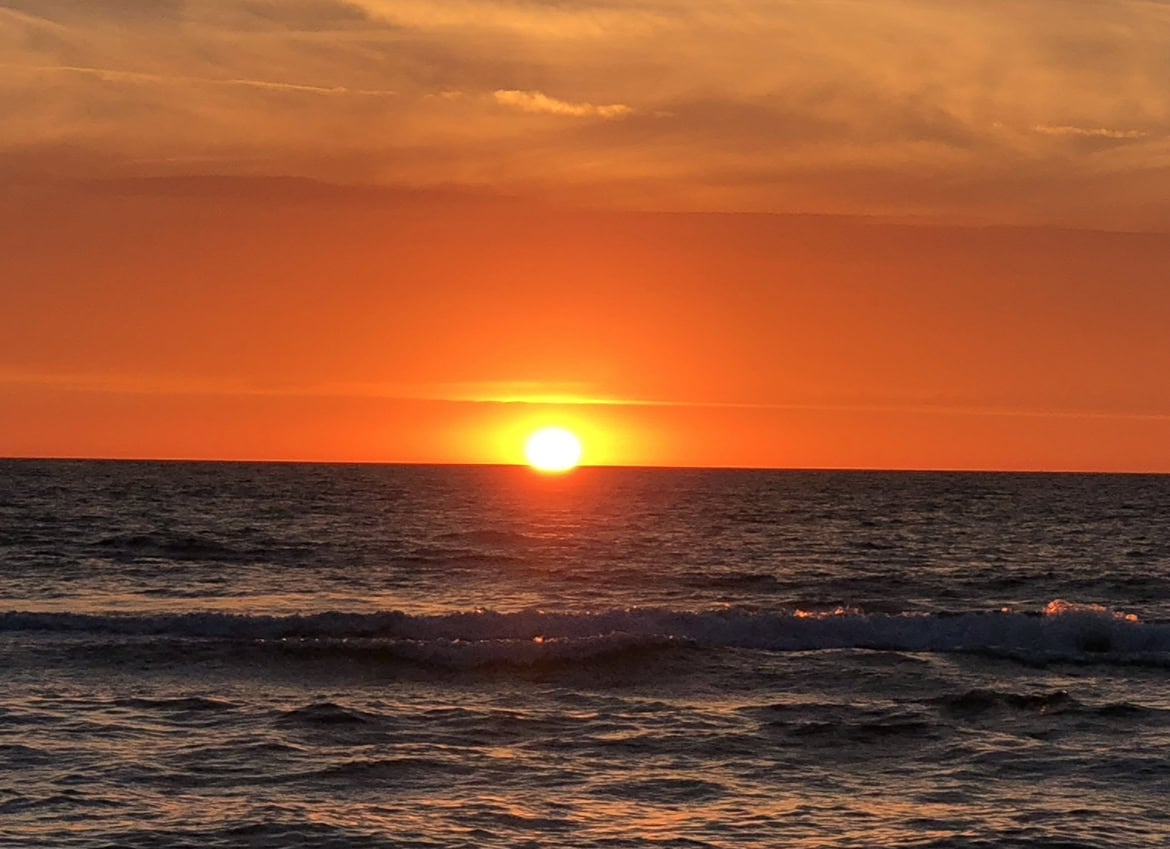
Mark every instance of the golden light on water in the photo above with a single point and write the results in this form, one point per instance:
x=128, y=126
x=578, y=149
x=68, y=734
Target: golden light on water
x=553, y=450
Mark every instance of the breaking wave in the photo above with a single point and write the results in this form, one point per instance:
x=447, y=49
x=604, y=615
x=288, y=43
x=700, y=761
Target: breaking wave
x=1062, y=630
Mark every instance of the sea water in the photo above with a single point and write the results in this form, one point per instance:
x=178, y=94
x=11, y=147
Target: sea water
x=393, y=656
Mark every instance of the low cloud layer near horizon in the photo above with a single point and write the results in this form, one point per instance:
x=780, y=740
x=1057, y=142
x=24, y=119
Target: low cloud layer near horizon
x=1041, y=112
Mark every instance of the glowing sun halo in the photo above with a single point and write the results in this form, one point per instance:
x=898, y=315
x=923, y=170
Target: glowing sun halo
x=553, y=449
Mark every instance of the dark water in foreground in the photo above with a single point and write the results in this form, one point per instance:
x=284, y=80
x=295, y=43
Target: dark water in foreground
x=300, y=655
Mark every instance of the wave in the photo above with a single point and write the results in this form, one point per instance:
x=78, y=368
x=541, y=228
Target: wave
x=979, y=703
x=175, y=547
x=488, y=536
x=186, y=704
x=983, y=701
x=1061, y=631
x=455, y=557
x=325, y=713
x=733, y=581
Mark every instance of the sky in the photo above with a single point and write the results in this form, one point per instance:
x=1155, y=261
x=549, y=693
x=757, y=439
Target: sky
x=850, y=234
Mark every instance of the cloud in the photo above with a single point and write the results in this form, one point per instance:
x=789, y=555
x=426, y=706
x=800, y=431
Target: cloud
x=535, y=101
x=1089, y=132
x=116, y=76
x=559, y=22
x=862, y=106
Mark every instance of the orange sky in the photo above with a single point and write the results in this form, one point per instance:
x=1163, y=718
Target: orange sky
x=847, y=234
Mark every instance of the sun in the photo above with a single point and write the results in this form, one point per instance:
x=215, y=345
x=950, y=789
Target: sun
x=553, y=449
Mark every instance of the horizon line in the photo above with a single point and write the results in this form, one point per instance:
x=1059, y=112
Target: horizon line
x=586, y=466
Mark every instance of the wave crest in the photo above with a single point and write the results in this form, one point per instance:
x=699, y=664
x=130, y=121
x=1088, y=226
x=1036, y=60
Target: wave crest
x=1061, y=630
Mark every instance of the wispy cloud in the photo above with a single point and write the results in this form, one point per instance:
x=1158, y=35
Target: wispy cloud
x=536, y=101
x=1088, y=132
x=522, y=393
x=564, y=22
x=538, y=399
x=116, y=75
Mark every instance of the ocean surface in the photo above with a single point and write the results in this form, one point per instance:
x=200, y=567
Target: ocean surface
x=223, y=655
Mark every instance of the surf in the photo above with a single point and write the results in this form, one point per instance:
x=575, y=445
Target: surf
x=1060, y=630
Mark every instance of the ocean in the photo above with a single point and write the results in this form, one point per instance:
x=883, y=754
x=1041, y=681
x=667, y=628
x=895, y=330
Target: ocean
x=225, y=655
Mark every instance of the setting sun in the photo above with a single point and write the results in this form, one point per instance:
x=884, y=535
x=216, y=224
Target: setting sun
x=553, y=449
